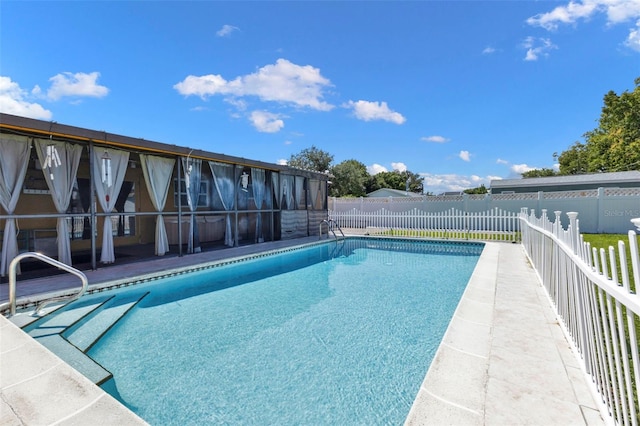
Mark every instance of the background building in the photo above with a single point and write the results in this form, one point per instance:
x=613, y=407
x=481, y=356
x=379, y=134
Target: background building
x=86, y=196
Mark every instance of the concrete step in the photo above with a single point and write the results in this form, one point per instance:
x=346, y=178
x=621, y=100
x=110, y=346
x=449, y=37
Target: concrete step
x=84, y=334
x=75, y=358
x=65, y=317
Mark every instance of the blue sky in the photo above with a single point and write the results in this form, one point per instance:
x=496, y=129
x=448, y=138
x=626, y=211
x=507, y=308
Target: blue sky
x=460, y=92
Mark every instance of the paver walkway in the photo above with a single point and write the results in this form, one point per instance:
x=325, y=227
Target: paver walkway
x=504, y=359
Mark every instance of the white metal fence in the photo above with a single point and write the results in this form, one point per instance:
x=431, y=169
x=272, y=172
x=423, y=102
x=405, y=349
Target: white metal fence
x=595, y=298
x=494, y=224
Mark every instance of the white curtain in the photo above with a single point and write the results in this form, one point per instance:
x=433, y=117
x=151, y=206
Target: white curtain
x=259, y=186
x=300, y=198
x=109, y=168
x=275, y=183
x=192, y=168
x=59, y=162
x=314, y=191
x=286, y=191
x=223, y=177
x=13, y=168
x=157, y=175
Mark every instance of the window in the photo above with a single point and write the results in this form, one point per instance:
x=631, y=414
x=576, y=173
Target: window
x=203, y=195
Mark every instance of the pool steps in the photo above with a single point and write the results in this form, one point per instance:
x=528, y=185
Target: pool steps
x=73, y=331
x=86, y=333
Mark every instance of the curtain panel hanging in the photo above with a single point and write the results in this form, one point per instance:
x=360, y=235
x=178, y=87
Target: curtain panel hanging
x=300, y=194
x=109, y=168
x=275, y=188
x=59, y=162
x=192, y=175
x=13, y=169
x=259, y=189
x=223, y=179
x=314, y=192
x=157, y=173
x=286, y=192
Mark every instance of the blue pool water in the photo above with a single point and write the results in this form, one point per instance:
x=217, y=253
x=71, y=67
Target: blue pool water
x=332, y=334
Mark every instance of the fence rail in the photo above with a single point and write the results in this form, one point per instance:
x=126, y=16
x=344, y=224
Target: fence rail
x=595, y=298
x=494, y=224
x=602, y=210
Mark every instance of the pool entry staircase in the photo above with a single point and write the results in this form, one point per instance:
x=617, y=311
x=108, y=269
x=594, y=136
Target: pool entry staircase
x=332, y=225
x=70, y=330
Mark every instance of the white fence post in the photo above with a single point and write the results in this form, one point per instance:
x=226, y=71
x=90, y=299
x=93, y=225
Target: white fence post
x=596, y=304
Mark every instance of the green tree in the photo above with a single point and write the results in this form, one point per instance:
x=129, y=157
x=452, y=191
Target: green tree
x=313, y=159
x=479, y=190
x=395, y=179
x=575, y=160
x=349, y=179
x=544, y=172
x=615, y=144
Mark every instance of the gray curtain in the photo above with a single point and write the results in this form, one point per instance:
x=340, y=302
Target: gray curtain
x=286, y=193
x=192, y=175
x=223, y=178
x=259, y=186
x=300, y=198
x=314, y=192
x=157, y=175
x=109, y=168
x=275, y=184
x=59, y=162
x=13, y=168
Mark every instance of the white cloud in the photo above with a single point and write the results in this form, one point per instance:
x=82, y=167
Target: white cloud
x=521, y=168
x=465, y=156
x=226, y=30
x=633, y=40
x=74, y=85
x=439, y=183
x=282, y=162
x=367, y=111
x=266, y=122
x=617, y=11
x=374, y=169
x=568, y=14
x=288, y=142
x=537, y=47
x=14, y=100
x=435, y=139
x=490, y=178
x=488, y=50
x=283, y=82
x=401, y=167
x=501, y=161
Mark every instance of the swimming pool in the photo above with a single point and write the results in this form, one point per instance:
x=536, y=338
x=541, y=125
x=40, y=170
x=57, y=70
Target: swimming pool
x=337, y=333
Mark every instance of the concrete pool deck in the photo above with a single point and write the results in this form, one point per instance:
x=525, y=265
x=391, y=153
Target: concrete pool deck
x=503, y=361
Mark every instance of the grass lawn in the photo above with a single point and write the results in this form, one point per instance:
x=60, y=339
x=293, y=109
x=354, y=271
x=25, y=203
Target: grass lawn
x=604, y=241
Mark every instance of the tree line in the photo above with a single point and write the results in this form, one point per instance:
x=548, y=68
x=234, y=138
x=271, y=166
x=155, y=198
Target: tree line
x=350, y=178
x=613, y=146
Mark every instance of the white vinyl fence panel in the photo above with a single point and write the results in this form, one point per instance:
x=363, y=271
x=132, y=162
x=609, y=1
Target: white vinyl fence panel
x=596, y=301
x=492, y=224
x=602, y=210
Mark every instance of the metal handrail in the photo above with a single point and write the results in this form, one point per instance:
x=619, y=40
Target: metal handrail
x=12, y=281
x=330, y=223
